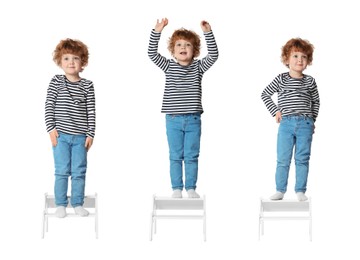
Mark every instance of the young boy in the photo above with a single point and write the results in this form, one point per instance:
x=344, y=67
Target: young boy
x=70, y=122
x=296, y=111
x=182, y=99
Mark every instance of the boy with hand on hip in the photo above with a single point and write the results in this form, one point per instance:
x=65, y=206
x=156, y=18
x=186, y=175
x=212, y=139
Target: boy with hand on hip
x=296, y=111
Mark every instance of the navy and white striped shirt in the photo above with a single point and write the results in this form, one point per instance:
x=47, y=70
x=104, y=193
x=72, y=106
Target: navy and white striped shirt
x=70, y=106
x=182, y=93
x=295, y=96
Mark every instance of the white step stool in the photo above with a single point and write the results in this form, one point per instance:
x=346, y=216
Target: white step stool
x=90, y=202
x=285, y=210
x=164, y=207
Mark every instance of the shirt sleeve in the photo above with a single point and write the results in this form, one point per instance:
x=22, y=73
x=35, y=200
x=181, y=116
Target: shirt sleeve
x=157, y=58
x=266, y=96
x=50, y=102
x=91, y=112
x=315, y=100
x=213, y=52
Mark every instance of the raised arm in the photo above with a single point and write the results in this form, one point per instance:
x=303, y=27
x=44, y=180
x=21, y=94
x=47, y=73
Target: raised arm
x=153, y=54
x=159, y=26
x=205, y=26
x=211, y=45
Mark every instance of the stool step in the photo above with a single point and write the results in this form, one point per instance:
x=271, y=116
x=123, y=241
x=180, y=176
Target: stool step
x=285, y=210
x=170, y=208
x=90, y=202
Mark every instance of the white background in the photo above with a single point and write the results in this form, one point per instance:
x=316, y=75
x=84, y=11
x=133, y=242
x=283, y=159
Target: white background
x=128, y=162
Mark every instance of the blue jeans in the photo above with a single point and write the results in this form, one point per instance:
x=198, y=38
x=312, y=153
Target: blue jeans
x=183, y=134
x=70, y=156
x=294, y=131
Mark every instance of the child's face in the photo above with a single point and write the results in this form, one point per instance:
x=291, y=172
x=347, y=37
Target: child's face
x=183, y=52
x=297, y=62
x=71, y=64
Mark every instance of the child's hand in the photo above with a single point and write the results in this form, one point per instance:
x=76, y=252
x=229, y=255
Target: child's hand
x=53, y=137
x=278, y=117
x=205, y=26
x=160, y=25
x=88, y=143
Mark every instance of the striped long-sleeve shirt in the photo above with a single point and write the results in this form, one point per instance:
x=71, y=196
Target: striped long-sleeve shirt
x=70, y=106
x=295, y=96
x=183, y=91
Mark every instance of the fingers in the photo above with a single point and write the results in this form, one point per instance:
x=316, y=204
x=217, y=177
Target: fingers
x=164, y=21
x=53, y=137
x=204, y=23
x=88, y=143
x=53, y=142
x=161, y=24
x=278, y=117
x=205, y=26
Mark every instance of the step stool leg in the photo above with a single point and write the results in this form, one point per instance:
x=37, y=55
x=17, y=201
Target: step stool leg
x=151, y=226
x=204, y=228
x=96, y=227
x=43, y=226
x=155, y=226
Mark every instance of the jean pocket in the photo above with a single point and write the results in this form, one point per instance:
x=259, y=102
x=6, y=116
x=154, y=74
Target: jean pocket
x=196, y=116
x=169, y=117
x=310, y=121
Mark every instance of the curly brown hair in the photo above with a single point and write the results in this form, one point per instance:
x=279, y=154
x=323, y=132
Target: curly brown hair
x=70, y=46
x=297, y=44
x=187, y=35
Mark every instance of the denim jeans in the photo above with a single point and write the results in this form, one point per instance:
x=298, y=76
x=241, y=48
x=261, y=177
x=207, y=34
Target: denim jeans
x=183, y=134
x=294, y=131
x=70, y=156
